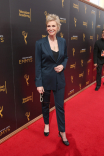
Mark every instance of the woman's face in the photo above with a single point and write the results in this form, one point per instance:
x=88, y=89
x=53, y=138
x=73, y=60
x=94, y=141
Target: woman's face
x=52, y=28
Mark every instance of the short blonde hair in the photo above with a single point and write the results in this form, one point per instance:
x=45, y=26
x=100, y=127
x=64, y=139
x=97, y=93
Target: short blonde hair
x=53, y=17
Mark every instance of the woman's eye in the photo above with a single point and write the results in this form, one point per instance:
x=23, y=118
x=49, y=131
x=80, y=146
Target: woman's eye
x=48, y=25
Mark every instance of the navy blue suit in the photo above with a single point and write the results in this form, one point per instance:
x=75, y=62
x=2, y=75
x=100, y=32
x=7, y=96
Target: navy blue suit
x=47, y=77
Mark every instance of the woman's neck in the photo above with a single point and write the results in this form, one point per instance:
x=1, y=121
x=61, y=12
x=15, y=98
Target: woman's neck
x=52, y=38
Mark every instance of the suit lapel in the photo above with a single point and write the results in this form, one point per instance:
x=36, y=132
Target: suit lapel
x=47, y=46
x=60, y=48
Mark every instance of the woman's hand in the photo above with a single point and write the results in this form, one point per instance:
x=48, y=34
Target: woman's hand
x=59, y=68
x=40, y=89
x=95, y=64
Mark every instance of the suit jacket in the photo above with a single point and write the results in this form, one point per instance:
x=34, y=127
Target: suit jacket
x=98, y=47
x=45, y=74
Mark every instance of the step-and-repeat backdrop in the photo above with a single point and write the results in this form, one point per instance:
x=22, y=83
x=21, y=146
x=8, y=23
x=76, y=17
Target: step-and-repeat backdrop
x=22, y=22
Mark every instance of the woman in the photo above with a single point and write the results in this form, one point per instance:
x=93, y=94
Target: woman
x=50, y=61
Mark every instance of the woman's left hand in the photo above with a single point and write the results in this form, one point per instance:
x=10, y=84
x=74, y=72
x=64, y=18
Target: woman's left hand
x=59, y=68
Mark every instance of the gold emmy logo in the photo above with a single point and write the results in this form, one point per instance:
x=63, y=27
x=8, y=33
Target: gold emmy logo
x=91, y=37
x=71, y=92
x=76, y=6
x=85, y=24
x=89, y=60
x=99, y=14
x=63, y=20
x=82, y=74
x=94, y=69
x=44, y=36
x=72, y=79
x=73, y=51
x=62, y=3
x=1, y=38
x=1, y=109
x=28, y=115
x=82, y=63
x=5, y=130
x=25, y=14
x=74, y=38
x=27, y=78
x=98, y=26
x=92, y=24
x=80, y=86
x=61, y=34
x=3, y=88
x=93, y=78
x=87, y=83
x=75, y=21
x=46, y=14
x=97, y=36
x=25, y=36
x=88, y=71
x=90, y=49
x=84, y=37
x=82, y=50
x=29, y=98
x=26, y=60
x=93, y=12
x=73, y=65
x=85, y=9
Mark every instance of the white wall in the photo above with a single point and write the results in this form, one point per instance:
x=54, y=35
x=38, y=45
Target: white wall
x=101, y=3
x=98, y=2
x=95, y=2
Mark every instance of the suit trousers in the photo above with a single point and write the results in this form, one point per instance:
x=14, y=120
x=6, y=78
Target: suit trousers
x=99, y=73
x=59, y=104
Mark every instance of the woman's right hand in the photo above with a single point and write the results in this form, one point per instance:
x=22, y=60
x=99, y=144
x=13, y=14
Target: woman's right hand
x=40, y=89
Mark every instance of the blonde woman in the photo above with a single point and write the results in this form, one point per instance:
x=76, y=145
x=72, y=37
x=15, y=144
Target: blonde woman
x=50, y=62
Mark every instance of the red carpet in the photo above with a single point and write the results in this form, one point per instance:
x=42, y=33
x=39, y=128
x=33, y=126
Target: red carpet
x=84, y=128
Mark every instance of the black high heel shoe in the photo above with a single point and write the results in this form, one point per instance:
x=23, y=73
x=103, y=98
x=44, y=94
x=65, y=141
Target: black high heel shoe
x=65, y=142
x=46, y=133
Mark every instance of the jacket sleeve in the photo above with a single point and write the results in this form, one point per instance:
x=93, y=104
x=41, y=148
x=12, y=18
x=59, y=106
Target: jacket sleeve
x=65, y=56
x=95, y=53
x=38, y=78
